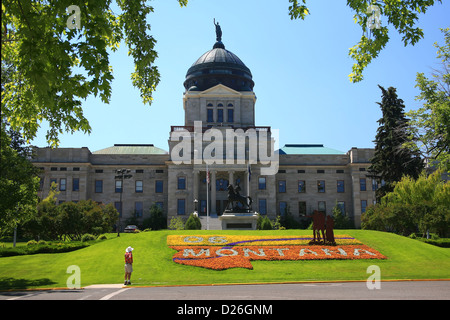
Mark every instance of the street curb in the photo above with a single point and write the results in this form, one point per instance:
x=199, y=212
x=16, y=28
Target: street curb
x=118, y=286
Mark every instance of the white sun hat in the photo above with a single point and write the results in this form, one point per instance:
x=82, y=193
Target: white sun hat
x=129, y=249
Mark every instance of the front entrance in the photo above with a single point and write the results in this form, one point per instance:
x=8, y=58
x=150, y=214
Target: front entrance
x=221, y=205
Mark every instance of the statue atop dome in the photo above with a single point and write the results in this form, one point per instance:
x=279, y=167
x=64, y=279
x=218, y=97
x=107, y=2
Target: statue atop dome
x=218, y=31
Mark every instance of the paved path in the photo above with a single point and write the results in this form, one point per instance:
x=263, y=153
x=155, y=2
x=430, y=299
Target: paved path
x=409, y=290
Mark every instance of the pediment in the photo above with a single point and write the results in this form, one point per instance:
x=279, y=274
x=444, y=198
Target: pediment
x=220, y=90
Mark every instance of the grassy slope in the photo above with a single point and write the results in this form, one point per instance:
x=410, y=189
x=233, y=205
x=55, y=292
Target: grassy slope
x=103, y=263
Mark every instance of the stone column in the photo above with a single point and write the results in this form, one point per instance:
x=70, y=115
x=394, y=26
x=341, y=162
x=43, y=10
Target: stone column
x=247, y=182
x=196, y=173
x=231, y=177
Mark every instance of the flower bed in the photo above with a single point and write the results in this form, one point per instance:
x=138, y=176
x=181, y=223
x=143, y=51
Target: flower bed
x=232, y=240
x=224, y=252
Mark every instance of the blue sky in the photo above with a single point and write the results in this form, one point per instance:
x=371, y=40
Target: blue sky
x=300, y=69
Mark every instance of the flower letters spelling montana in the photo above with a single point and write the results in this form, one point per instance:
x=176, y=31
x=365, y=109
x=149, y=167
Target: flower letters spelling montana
x=224, y=252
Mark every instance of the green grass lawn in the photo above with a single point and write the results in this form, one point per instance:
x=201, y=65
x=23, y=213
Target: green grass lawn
x=153, y=265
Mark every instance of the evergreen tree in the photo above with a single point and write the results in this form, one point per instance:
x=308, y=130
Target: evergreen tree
x=392, y=159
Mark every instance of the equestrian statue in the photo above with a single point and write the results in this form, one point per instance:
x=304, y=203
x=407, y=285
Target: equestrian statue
x=235, y=198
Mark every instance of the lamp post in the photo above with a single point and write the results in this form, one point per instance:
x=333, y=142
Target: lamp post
x=195, y=207
x=121, y=174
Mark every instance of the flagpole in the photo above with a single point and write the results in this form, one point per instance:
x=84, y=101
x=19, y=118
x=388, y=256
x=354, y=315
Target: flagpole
x=207, y=197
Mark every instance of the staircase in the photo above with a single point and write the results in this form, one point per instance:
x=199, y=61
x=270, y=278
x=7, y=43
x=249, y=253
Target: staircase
x=214, y=222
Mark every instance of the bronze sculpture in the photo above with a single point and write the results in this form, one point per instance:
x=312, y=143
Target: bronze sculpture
x=235, y=198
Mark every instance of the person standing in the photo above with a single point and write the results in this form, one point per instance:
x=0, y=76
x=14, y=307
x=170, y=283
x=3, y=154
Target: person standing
x=128, y=265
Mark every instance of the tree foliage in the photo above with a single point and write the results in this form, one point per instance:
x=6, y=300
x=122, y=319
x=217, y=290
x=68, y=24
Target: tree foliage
x=402, y=15
x=421, y=204
x=69, y=220
x=54, y=66
x=19, y=182
x=392, y=159
x=431, y=123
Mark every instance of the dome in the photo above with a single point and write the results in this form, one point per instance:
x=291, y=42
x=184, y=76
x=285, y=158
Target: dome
x=219, y=66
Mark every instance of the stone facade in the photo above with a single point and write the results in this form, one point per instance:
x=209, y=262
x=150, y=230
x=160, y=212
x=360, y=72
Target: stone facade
x=309, y=177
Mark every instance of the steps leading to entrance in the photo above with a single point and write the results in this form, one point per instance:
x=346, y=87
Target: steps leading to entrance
x=214, y=222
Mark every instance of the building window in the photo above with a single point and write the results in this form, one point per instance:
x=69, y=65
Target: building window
x=221, y=184
x=302, y=208
x=62, y=184
x=340, y=186
x=321, y=186
x=210, y=115
x=76, y=184
x=362, y=184
x=138, y=209
x=282, y=205
x=322, y=206
x=203, y=206
x=181, y=183
x=181, y=207
x=230, y=115
x=262, y=205
x=341, y=206
x=98, y=186
x=118, y=206
x=363, y=206
x=118, y=186
x=159, y=184
x=139, y=186
x=282, y=186
x=374, y=184
x=262, y=183
x=219, y=115
x=301, y=186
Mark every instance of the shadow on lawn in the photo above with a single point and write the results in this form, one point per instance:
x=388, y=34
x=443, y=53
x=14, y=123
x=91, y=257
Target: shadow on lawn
x=12, y=283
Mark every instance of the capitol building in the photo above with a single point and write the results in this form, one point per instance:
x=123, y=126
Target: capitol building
x=218, y=144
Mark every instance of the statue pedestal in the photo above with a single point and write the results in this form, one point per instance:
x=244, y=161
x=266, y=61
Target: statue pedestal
x=238, y=221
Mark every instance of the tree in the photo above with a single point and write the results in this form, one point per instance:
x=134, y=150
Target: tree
x=421, y=204
x=193, y=223
x=430, y=124
x=19, y=182
x=392, y=159
x=55, y=64
x=341, y=221
x=403, y=15
x=157, y=220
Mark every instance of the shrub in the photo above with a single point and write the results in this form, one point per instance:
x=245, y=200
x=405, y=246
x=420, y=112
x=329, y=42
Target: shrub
x=102, y=237
x=87, y=237
x=176, y=223
x=157, y=220
x=193, y=223
x=266, y=224
x=32, y=243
